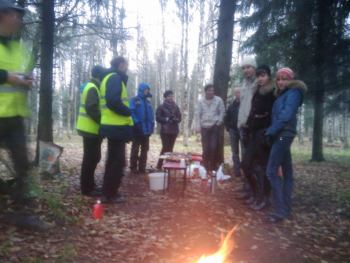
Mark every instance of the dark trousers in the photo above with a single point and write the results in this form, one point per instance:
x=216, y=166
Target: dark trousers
x=114, y=167
x=282, y=187
x=92, y=155
x=245, y=138
x=138, y=156
x=12, y=137
x=235, y=138
x=210, y=147
x=254, y=165
x=168, y=142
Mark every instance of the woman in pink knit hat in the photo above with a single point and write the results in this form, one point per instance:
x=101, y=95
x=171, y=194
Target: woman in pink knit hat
x=280, y=134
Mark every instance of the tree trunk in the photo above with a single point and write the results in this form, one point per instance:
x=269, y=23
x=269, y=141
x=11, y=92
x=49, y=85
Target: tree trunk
x=345, y=140
x=200, y=75
x=46, y=67
x=330, y=127
x=301, y=126
x=186, y=98
x=319, y=91
x=224, y=57
x=317, y=139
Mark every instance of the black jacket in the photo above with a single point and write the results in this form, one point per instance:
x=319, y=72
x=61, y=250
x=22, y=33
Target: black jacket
x=231, y=115
x=260, y=113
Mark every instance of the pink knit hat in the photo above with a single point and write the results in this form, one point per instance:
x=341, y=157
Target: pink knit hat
x=287, y=72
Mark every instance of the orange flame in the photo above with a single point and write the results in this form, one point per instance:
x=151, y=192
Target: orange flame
x=225, y=250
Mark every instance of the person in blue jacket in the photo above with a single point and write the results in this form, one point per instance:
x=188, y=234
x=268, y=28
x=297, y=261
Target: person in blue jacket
x=143, y=117
x=281, y=133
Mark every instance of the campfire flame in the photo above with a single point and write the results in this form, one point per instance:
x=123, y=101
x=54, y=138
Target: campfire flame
x=225, y=250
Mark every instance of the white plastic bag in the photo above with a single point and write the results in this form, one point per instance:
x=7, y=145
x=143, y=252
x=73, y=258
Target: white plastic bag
x=49, y=158
x=220, y=176
x=202, y=171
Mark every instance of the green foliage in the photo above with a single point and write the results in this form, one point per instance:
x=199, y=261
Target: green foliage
x=287, y=34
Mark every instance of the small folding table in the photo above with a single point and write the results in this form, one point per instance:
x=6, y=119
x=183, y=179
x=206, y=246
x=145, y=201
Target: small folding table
x=174, y=166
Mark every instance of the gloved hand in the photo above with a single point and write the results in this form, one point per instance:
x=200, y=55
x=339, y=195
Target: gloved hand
x=267, y=139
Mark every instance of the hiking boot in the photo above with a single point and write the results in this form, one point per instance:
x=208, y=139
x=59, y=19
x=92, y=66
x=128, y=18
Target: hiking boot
x=94, y=193
x=118, y=199
x=257, y=206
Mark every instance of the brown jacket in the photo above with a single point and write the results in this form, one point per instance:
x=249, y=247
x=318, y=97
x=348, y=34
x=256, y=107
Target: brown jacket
x=169, y=116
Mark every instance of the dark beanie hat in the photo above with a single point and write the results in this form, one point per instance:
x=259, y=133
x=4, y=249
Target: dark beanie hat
x=97, y=72
x=263, y=69
x=168, y=93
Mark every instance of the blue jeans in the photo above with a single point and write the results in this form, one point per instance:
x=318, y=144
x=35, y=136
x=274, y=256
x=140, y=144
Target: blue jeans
x=281, y=187
x=235, y=138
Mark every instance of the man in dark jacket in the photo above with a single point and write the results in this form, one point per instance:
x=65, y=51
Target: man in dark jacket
x=169, y=116
x=231, y=126
x=116, y=126
x=143, y=117
x=88, y=127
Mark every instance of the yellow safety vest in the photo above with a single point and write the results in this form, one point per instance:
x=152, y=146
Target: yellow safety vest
x=85, y=123
x=109, y=117
x=14, y=58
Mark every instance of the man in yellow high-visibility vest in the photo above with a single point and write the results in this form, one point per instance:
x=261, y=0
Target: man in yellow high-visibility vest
x=15, y=81
x=116, y=125
x=88, y=126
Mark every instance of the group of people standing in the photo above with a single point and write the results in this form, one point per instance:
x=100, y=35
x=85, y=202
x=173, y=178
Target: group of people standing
x=107, y=112
x=262, y=120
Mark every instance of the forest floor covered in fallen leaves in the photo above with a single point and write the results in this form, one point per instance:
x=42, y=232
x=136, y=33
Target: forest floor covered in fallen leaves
x=156, y=227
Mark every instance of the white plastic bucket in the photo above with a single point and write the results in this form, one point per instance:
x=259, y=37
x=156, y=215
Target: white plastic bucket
x=156, y=181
